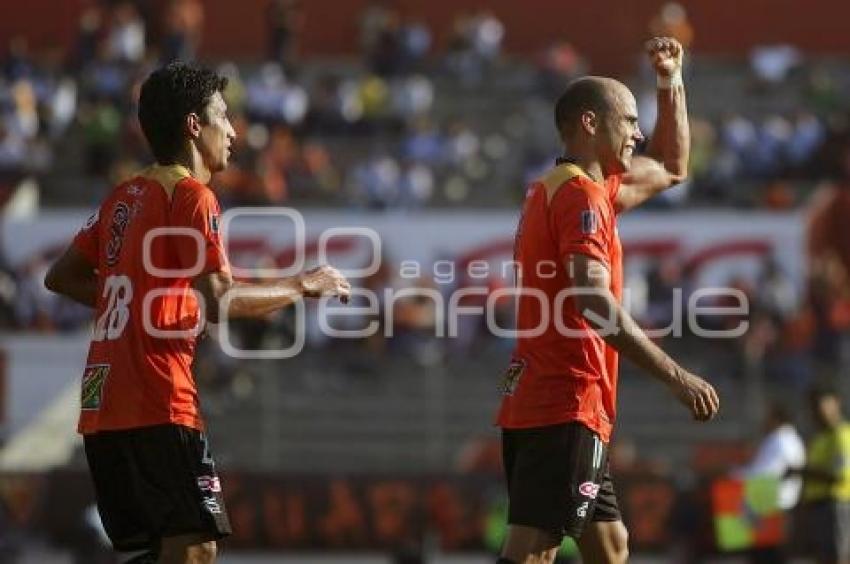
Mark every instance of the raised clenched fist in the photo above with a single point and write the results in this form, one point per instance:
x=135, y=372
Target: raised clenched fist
x=666, y=55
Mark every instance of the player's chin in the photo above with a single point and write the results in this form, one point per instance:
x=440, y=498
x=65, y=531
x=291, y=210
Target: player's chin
x=221, y=164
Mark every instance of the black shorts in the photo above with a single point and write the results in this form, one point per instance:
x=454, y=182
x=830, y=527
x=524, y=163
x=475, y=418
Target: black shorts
x=155, y=482
x=558, y=478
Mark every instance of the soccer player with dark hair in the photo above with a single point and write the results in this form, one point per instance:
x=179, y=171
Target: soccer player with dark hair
x=141, y=261
x=560, y=389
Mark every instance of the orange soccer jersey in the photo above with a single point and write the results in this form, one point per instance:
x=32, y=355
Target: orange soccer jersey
x=138, y=371
x=566, y=372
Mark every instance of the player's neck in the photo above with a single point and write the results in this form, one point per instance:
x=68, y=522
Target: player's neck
x=589, y=165
x=194, y=163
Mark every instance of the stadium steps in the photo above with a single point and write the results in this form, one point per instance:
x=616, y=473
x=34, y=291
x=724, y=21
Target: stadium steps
x=407, y=418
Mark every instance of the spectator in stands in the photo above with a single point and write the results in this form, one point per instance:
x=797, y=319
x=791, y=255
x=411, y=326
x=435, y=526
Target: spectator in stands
x=285, y=19
x=664, y=280
x=777, y=296
x=13, y=151
x=829, y=208
x=460, y=59
x=771, y=64
x=18, y=64
x=375, y=183
x=372, y=23
x=462, y=143
x=412, y=96
x=486, y=35
x=672, y=21
x=274, y=164
x=104, y=77
x=416, y=42
x=126, y=36
x=184, y=21
x=826, y=486
x=779, y=453
x=386, y=55
x=416, y=186
x=415, y=317
x=738, y=137
x=807, y=137
x=325, y=116
x=424, y=143
x=101, y=123
x=272, y=99
x=829, y=299
x=560, y=63
x=88, y=35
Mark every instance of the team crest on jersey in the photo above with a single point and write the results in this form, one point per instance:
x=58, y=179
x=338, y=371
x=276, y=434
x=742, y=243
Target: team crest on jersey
x=512, y=375
x=589, y=222
x=120, y=219
x=92, y=386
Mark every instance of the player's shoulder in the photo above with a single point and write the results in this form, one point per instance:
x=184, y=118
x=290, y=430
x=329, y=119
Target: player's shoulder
x=560, y=175
x=566, y=182
x=174, y=179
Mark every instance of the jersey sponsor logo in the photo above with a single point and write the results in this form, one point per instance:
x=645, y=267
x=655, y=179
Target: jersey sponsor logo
x=120, y=220
x=94, y=377
x=589, y=489
x=589, y=222
x=512, y=375
x=209, y=484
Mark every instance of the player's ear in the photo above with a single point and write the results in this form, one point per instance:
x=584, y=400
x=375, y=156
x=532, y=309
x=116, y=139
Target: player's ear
x=193, y=125
x=589, y=122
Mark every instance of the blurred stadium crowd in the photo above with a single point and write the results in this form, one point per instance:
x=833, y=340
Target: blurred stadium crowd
x=303, y=124
x=406, y=127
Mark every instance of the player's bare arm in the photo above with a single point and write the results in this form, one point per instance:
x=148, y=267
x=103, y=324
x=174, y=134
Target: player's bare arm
x=73, y=276
x=260, y=299
x=666, y=161
x=619, y=329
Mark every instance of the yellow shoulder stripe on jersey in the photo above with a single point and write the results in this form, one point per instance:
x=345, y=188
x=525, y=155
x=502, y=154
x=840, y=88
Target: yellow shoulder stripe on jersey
x=557, y=176
x=166, y=176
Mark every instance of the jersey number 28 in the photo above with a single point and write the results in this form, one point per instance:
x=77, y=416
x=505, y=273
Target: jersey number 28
x=118, y=291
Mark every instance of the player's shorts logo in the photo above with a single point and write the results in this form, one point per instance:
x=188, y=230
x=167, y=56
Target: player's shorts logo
x=212, y=505
x=92, y=385
x=589, y=489
x=209, y=484
x=582, y=509
x=512, y=376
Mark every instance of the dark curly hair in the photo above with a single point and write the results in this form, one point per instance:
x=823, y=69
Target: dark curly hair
x=168, y=95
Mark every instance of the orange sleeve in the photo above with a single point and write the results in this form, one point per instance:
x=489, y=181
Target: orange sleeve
x=579, y=223
x=196, y=207
x=86, y=241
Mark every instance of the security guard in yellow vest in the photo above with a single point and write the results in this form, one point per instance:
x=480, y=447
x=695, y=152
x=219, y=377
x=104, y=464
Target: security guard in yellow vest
x=826, y=489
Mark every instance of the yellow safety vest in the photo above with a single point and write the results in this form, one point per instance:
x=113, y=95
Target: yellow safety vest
x=829, y=451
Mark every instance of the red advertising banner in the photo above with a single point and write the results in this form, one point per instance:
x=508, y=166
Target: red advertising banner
x=272, y=513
